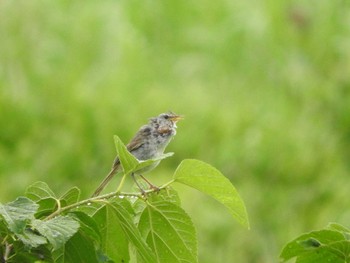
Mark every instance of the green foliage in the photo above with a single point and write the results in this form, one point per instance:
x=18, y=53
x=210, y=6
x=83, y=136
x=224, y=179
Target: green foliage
x=114, y=242
x=57, y=230
x=70, y=197
x=22, y=226
x=80, y=248
x=18, y=213
x=132, y=233
x=127, y=160
x=209, y=180
x=169, y=231
x=118, y=228
x=264, y=86
x=331, y=244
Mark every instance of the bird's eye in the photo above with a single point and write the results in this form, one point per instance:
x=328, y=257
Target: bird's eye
x=166, y=117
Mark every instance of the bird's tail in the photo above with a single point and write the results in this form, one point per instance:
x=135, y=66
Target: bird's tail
x=105, y=181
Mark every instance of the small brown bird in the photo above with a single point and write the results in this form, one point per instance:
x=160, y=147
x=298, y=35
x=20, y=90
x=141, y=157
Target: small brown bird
x=148, y=143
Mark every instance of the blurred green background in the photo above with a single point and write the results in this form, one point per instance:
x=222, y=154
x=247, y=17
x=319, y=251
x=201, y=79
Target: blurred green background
x=264, y=86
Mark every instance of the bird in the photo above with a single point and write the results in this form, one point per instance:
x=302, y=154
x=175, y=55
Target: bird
x=148, y=143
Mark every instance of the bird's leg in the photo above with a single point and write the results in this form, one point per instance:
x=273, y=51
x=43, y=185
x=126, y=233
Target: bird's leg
x=138, y=185
x=152, y=186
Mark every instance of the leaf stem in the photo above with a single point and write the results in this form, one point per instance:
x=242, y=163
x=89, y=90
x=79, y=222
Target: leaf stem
x=167, y=184
x=58, y=202
x=122, y=182
x=4, y=241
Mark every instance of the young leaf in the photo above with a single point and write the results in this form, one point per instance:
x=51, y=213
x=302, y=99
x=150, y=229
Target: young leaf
x=131, y=232
x=209, y=180
x=127, y=160
x=57, y=230
x=169, y=231
x=38, y=191
x=70, y=197
x=18, y=213
x=113, y=242
x=43, y=196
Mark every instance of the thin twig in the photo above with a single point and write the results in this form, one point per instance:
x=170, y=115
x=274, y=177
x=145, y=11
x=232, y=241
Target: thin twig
x=8, y=248
x=104, y=197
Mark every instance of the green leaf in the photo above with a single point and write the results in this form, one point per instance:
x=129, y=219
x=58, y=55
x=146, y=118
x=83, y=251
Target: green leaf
x=131, y=232
x=44, y=197
x=138, y=207
x=316, y=246
x=70, y=197
x=57, y=230
x=3, y=228
x=127, y=160
x=339, y=249
x=210, y=181
x=88, y=225
x=322, y=256
x=169, y=231
x=79, y=248
x=38, y=191
x=46, y=207
x=40, y=254
x=90, y=209
x=29, y=238
x=167, y=194
x=18, y=213
x=144, y=163
x=337, y=227
x=113, y=242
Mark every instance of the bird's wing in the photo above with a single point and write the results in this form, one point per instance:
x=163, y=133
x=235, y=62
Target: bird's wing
x=139, y=138
x=136, y=142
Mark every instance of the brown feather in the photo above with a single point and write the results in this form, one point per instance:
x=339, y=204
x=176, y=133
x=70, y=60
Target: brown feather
x=138, y=139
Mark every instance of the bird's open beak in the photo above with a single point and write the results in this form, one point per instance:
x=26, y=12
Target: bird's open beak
x=176, y=118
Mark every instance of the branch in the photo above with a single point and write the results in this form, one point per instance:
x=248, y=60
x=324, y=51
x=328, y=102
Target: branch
x=107, y=196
